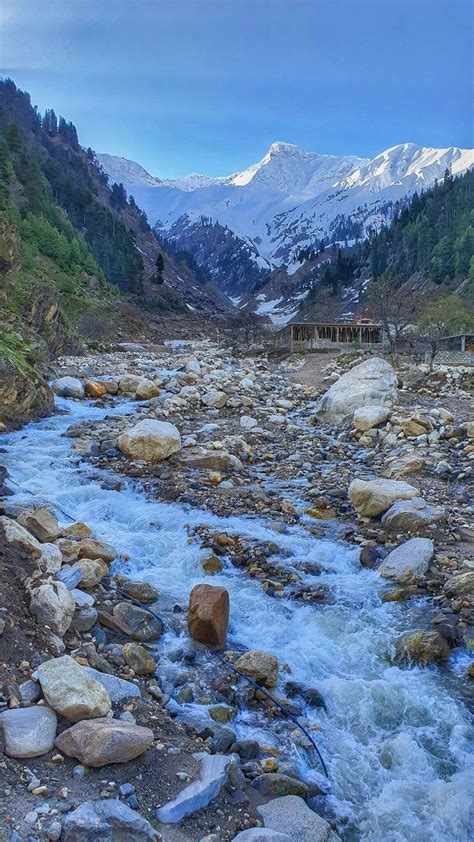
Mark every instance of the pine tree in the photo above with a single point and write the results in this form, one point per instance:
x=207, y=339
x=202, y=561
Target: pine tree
x=13, y=138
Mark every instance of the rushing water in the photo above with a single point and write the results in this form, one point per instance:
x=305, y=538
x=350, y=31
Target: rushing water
x=396, y=741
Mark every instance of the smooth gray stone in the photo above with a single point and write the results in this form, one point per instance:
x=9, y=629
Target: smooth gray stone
x=109, y=820
x=28, y=732
x=290, y=814
x=82, y=599
x=117, y=688
x=69, y=576
x=213, y=775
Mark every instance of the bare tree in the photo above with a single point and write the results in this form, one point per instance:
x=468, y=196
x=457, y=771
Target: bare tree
x=395, y=308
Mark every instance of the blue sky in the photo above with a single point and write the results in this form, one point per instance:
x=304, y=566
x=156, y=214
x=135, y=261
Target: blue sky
x=208, y=85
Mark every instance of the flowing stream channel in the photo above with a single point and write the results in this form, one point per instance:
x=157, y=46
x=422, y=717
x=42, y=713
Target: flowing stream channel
x=396, y=741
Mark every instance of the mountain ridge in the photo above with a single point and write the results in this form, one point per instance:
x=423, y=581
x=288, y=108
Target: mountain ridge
x=289, y=200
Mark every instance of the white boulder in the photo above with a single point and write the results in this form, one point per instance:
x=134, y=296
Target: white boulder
x=372, y=383
x=150, y=440
x=372, y=497
x=68, y=387
x=52, y=605
x=409, y=562
x=70, y=691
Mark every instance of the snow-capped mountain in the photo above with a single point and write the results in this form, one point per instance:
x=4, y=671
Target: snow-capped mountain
x=289, y=200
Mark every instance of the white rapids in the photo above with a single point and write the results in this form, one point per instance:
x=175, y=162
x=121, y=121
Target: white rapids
x=396, y=741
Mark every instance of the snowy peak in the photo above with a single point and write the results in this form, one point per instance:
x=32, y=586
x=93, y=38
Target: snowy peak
x=290, y=199
x=121, y=170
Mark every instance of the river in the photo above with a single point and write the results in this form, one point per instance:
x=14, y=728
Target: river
x=395, y=740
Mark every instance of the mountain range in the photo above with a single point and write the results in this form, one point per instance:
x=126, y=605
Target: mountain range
x=243, y=226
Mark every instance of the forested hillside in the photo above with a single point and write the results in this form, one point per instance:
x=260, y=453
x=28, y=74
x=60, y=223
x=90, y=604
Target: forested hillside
x=78, y=259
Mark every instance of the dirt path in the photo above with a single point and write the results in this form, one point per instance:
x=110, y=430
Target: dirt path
x=312, y=372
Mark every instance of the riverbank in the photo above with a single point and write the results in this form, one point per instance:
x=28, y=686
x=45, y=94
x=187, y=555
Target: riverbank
x=261, y=509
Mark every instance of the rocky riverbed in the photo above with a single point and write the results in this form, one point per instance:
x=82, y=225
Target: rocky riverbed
x=317, y=537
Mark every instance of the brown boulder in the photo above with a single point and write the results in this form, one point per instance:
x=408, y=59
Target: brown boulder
x=41, y=523
x=208, y=614
x=93, y=389
x=97, y=742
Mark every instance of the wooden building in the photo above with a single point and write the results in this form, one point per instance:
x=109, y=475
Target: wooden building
x=312, y=336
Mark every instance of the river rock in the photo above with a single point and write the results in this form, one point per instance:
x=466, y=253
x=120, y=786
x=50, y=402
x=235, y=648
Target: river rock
x=52, y=605
x=146, y=389
x=20, y=538
x=213, y=775
x=143, y=626
x=214, y=399
x=28, y=732
x=421, y=647
x=150, y=440
x=92, y=571
x=372, y=497
x=115, y=687
x=40, y=523
x=408, y=563
x=51, y=558
x=70, y=691
x=84, y=618
x=368, y=417
x=208, y=614
x=261, y=666
x=142, y=591
x=412, y=515
x=129, y=383
x=208, y=459
x=109, y=820
x=273, y=783
x=98, y=742
x=460, y=585
x=94, y=389
x=139, y=659
x=69, y=576
x=77, y=531
x=290, y=814
x=92, y=548
x=372, y=383
x=68, y=387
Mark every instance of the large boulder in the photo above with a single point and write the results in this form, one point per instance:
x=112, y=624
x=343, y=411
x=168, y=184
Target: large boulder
x=52, y=605
x=370, y=416
x=208, y=614
x=150, y=440
x=408, y=563
x=372, y=383
x=68, y=387
x=461, y=585
x=289, y=814
x=109, y=820
x=51, y=558
x=412, y=515
x=421, y=647
x=41, y=523
x=28, y=732
x=98, y=742
x=70, y=691
x=261, y=666
x=372, y=497
x=20, y=538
